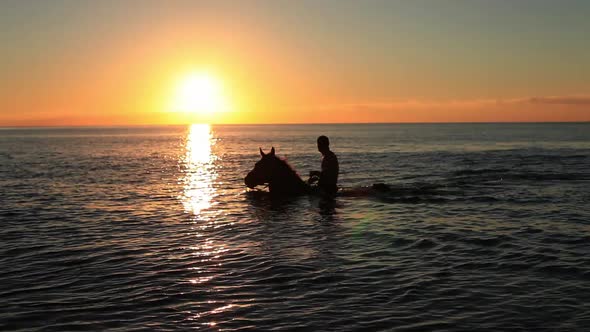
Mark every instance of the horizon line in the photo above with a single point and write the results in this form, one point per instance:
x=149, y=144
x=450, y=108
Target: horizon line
x=283, y=124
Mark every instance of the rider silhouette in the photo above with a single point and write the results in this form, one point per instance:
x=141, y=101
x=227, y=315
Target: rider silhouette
x=328, y=176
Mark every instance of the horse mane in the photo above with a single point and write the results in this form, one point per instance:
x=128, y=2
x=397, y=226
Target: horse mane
x=286, y=165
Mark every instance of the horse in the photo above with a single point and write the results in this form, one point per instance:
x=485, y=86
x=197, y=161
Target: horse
x=281, y=178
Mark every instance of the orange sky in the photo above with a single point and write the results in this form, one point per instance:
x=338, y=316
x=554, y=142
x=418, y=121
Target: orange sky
x=118, y=63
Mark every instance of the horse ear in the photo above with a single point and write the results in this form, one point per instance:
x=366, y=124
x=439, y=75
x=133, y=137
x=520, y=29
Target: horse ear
x=261, y=152
x=272, y=151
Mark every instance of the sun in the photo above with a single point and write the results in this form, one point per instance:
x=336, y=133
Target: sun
x=200, y=93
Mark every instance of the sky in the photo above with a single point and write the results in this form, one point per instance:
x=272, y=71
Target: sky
x=82, y=62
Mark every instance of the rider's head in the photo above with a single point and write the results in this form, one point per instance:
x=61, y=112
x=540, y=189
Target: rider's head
x=323, y=144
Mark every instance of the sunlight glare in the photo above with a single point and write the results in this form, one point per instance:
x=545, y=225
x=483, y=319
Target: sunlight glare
x=200, y=93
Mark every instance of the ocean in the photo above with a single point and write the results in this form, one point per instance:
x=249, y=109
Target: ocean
x=486, y=227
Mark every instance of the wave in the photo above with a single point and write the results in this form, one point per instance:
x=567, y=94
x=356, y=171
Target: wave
x=6, y=155
x=510, y=174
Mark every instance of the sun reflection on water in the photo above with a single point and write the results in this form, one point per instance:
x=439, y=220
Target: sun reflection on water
x=200, y=174
x=198, y=197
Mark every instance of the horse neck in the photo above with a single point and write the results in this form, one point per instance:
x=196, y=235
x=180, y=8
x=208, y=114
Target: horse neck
x=286, y=179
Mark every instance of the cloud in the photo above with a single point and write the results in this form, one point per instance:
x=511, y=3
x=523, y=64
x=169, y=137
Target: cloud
x=566, y=100
x=464, y=104
x=413, y=105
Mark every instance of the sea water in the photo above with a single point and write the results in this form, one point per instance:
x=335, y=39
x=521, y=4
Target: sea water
x=487, y=227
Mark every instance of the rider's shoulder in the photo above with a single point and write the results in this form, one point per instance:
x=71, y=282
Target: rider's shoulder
x=331, y=156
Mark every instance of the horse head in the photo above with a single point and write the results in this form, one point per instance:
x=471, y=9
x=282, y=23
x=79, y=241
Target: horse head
x=263, y=169
x=278, y=174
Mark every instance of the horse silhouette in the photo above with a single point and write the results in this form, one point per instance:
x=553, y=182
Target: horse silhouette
x=281, y=178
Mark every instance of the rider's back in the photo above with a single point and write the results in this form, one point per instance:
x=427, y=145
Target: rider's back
x=329, y=176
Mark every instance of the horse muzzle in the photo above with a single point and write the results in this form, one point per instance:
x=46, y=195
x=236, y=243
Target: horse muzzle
x=250, y=181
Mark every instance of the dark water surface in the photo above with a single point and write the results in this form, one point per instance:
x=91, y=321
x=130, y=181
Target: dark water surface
x=120, y=229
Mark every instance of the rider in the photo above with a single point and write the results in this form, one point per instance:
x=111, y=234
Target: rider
x=328, y=177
